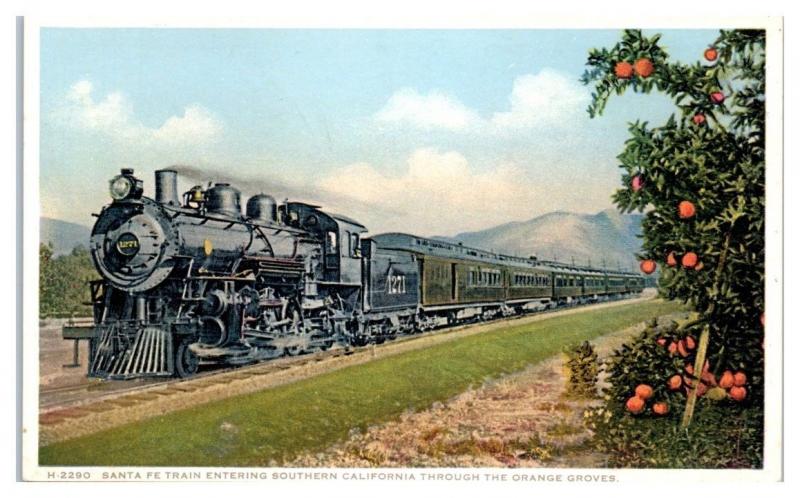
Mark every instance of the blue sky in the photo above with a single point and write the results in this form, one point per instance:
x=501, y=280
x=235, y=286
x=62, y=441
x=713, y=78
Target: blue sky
x=445, y=130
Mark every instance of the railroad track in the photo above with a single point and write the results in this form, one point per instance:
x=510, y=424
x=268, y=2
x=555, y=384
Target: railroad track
x=68, y=401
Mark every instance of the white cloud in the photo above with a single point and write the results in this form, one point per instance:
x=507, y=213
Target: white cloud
x=546, y=99
x=113, y=116
x=439, y=193
x=434, y=110
x=196, y=124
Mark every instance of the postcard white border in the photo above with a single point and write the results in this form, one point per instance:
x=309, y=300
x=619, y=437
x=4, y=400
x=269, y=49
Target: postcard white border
x=774, y=257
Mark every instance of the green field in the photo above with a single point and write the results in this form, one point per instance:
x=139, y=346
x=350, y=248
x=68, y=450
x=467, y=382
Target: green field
x=276, y=424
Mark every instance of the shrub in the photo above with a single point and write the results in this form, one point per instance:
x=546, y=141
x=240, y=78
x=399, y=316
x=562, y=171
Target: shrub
x=64, y=282
x=725, y=432
x=581, y=365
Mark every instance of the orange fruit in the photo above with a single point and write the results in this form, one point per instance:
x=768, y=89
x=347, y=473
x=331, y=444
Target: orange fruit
x=673, y=348
x=726, y=381
x=637, y=182
x=710, y=54
x=623, y=70
x=686, y=209
x=643, y=67
x=699, y=119
x=644, y=391
x=699, y=266
x=717, y=97
x=716, y=394
x=689, y=368
x=739, y=379
x=690, y=343
x=675, y=382
x=689, y=260
x=671, y=261
x=635, y=404
x=701, y=389
x=661, y=341
x=660, y=408
x=682, y=348
x=648, y=266
x=708, y=378
x=738, y=393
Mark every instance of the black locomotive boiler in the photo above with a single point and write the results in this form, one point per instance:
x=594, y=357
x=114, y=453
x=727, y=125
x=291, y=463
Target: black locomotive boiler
x=194, y=279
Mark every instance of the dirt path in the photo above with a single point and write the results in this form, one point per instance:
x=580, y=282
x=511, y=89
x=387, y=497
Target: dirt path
x=522, y=420
x=75, y=421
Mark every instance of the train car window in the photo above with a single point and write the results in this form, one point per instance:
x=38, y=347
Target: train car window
x=355, y=245
x=330, y=242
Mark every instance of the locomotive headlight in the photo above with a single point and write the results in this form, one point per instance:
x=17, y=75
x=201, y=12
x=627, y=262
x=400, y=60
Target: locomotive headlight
x=119, y=187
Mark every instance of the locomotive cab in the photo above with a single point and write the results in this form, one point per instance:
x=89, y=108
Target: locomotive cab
x=341, y=237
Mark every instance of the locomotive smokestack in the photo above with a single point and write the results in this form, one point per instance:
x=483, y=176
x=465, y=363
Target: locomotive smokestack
x=167, y=187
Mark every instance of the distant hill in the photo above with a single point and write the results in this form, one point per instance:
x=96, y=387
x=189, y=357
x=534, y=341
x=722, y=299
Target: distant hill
x=64, y=236
x=607, y=235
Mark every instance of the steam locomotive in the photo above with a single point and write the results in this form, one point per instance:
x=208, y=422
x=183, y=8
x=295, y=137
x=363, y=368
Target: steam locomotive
x=192, y=280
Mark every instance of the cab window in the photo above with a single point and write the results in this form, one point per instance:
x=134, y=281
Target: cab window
x=331, y=242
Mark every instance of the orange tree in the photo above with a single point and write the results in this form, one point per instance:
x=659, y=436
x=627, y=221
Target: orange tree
x=700, y=178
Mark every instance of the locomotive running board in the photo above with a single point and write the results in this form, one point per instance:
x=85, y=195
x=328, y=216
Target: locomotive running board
x=149, y=355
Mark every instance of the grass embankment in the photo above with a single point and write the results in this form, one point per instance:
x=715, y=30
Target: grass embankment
x=277, y=424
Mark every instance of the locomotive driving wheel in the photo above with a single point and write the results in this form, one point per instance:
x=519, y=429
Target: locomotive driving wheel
x=186, y=362
x=294, y=326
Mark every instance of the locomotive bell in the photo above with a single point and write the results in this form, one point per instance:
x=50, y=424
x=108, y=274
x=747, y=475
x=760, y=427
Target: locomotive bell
x=225, y=200
x=262, y=207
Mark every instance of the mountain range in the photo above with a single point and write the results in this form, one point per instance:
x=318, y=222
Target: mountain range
x=63, y=235
x=607, y=238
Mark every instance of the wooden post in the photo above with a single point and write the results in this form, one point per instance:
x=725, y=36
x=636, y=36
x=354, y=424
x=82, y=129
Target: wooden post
x=699, y=360
x=702, y=347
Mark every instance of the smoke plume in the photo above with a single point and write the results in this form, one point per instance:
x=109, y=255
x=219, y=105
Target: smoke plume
x=280, y=190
